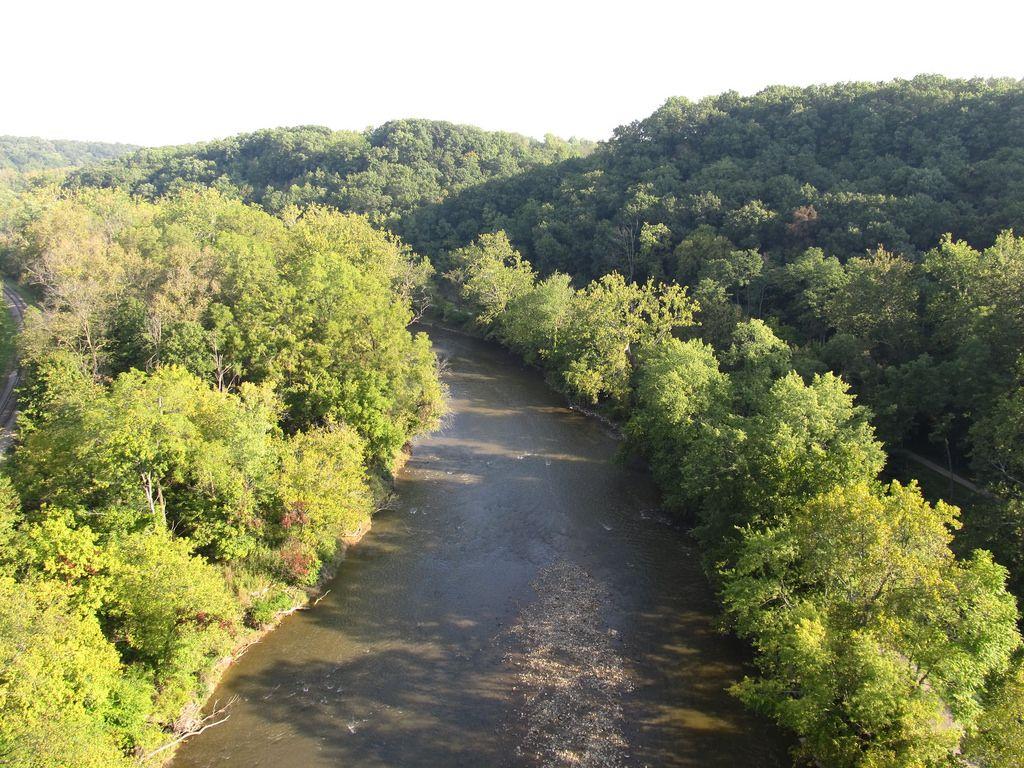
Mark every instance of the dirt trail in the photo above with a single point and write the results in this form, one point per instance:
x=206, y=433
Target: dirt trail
x=16, y=306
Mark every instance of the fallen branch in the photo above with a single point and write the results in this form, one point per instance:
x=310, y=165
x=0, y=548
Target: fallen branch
x=302, y=607
x=204, y=724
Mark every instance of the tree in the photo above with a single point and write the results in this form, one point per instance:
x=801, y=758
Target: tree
x=701, y=247
x=77, y=261
x=171, y=612
x=324, y=494
x=607, y=319
x=491, y=274
x=737, y=272
x=997, y=438
x=878, y=304
x=998, y=739
x=876, y=642
x=801, y=440
x=161, y=450
x=655, y=241
x=60, y=677
x=749, y=224
x=951, y=268
x=679, y=393
x=534, y=323
x=808, y=284
x=755, y=359
x=716, y=315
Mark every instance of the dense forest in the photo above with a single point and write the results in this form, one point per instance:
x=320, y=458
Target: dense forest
x=874, y=642
x=771, y=294
x=214, y=396
x=385, y=172
x=23, y=154
x=845, y=168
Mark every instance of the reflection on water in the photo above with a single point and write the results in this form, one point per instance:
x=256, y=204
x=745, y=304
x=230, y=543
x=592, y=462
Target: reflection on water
x=405, y=662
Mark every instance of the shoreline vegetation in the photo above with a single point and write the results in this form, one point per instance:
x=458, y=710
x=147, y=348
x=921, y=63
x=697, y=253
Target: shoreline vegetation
x=874, y=643
x=193, y=721
x=215, y=401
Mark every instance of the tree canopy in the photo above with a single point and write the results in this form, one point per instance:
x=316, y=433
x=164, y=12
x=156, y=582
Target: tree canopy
x=213, y=397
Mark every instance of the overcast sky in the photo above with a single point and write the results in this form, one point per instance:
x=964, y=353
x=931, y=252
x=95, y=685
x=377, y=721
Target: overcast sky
x=151, y=72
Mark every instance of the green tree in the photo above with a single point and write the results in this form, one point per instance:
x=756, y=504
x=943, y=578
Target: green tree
x=534, y=323
x=755, y=359
x=878, y=304
x=324, y=493
x=171, y=613
x=998, y=739
x=808, y=284
x=876, y=643
x=701, y=247
x=679, y=393
x=58, y=682
x=160, y=450
x=800, y=441
x=491, y=274
x=607, y=320
x=738, y=273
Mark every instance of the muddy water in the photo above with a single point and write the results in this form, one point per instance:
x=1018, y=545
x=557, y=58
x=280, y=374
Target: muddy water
x=409, y=661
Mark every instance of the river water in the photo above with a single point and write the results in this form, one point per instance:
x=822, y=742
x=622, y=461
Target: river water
x=416, y=656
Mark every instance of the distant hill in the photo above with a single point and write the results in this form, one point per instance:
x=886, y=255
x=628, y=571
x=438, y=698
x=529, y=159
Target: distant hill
x=385, y=171
x=24, y=153
x=844, y=167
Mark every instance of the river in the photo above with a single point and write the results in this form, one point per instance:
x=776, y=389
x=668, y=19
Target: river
x=523, y=604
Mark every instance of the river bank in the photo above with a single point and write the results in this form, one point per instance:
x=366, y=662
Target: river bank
x=205, y=712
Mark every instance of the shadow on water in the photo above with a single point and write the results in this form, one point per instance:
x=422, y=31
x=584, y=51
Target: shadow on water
x=404, y=663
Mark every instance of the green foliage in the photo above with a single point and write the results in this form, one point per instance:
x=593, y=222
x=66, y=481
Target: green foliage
x=534, y=322
x=323, y=491
x=170, y=612
x=756, y=357
x=808, y=285
x=263, y=610
x=737, y=273
x=586, y=337
x=491, y=274
x=703, y=246
x=998, y=739
x=874, y=643
x=212, y=399
x=59, y=680
x=384, y=172
x=607, y=320
x=718, y=315
x=353, y=359
x=844, y=167
x=861, y=614
x=800, y=440
x=57, y=548
x=32, y=154
x=679, y=394
x=877, y=303
x=316, y=306
x=998, y=439
x=162, y=450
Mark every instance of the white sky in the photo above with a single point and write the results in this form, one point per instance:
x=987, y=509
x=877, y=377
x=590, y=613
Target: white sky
x=151, y=72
